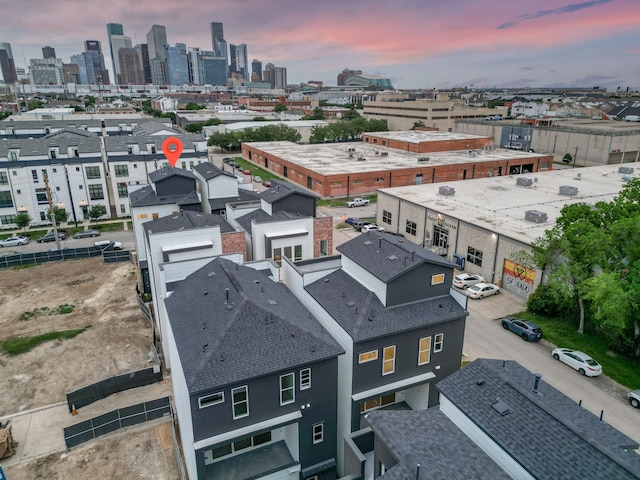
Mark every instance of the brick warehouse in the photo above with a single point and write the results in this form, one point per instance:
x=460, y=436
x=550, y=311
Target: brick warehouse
x=355, y=168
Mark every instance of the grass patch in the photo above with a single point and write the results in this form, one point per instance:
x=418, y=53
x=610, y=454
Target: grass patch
x=255, y=170
x=46, y=311
x=623, y=370
x=342, y=201
x=26, y=265
x=18, y=345
x=342, y=226
x=107, y=227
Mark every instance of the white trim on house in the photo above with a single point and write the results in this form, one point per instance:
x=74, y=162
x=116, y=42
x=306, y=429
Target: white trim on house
x=407, y=382
x=227, y=436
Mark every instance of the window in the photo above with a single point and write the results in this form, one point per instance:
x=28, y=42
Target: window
x=41, y=196
x=122, y=190
x=379, y=179
x=305, y=379
x=123, y=208
x=297, y=252
x=437, y=279
x=210, y=400
x=368, y=356
x=53, y=154
x=34, y=175
x=5, y=200
x=240, y=402
x=222, y=451
x=318, y=433
x=95, y=192
x=411, y=227
x=4, y=179
x=155, y=216
x=336, y=184
x=424, y=351
x=7, y=219
x=386, y=217
x=13, y=156
x=389, y=360
x=92, y=172
x=287, y=389
x=44, y=216
x=377, y=402
x=438, y=342
x=474, y=256
x=121, y=170
x=324, y=247
x=229, y=448
x=142, y=215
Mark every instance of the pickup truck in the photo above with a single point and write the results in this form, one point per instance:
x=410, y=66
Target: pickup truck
x=357, y=202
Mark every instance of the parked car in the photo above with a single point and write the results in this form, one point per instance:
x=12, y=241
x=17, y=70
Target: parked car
x=371, y=227
x=634, y=398
x=226, y=160
x=266, y=183
x=257, y=179
x=529, y=331
x=357, y=202
x=481, y=290
x=246, y=172
x=50, y=237
x=580, y=361
x=13, y=241
x=87, y=233
x=103, y=244
x=465, y=280
x=352, y=220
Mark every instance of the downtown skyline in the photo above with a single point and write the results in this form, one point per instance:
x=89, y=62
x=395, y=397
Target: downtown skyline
x=415, y=43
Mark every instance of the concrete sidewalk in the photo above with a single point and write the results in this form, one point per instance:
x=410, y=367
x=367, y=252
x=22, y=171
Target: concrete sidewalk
x=39, y=432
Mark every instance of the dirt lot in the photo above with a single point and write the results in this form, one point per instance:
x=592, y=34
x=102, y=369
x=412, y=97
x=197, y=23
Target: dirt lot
x=118, y=341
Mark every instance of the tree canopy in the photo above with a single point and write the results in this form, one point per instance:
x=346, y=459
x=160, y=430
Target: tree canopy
x=266, y=133
x=343, y=130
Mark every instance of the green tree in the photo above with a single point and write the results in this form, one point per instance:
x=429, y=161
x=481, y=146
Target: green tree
x=22, y=220
x=194, y=106
x=97, y=211
x=418, y=124
x=567, y=158
x=318, y=114
x=60, y=214
x=225, y=141
x=280, y=107
x=351, y=114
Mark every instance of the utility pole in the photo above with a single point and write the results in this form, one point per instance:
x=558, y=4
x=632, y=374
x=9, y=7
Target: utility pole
x=52, y=211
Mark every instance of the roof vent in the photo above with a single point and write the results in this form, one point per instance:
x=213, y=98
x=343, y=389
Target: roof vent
x=447, y=191
x=524, y=182
x=569, y=191
x=392, y=257
x=501, y=407
x=625, y=170
x=211, y=274
x=423, y=159
x=535, y=216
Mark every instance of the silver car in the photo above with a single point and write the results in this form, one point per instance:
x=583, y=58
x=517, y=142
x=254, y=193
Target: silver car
x=13, y=241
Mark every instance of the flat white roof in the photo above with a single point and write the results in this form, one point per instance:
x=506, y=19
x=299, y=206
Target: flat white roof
x=287, y=123
x=498, y=204
x=334, y=159
x=421, y=136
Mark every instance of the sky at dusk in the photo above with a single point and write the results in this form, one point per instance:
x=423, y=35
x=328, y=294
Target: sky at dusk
x=415, y=43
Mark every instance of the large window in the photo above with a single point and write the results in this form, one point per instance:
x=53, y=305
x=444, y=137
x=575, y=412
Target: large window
x=41, y=196
x=377, y=402
x=438, y=342
x=287, y=389
x=122, y=190
x=411, y=228
x=368, y=356
x=386, y=217
x=229, y=448
x=95, y=192
x=324, y=247
x=7, y=219
x=121, y=170
x=92, y=172
x=474, y=256
x=389, y=360
x=424, y=351
x=4, y=179
x=305, y=378
x=318, y=433
x=240, y=397
x=5, y=200
x=297, y=253
x=210, y=400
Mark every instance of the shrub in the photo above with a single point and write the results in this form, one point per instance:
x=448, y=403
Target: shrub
x=549, y=302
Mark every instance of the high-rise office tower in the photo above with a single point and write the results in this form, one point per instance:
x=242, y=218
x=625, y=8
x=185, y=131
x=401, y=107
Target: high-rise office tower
x=91, y=65
x=49, y=71
x=177, y=64
x=276, y=76
x=212, y=69
x=143, y=51
x=48, y=52
x=7, y=65
x=217, y=31
x=218, y=43
x=256, y=70
x=117, y=40
x=239, y=60
x=156, y=41
x=131, y=71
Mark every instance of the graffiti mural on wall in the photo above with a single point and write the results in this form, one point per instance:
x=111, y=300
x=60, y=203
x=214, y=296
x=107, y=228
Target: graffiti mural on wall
x=517, y=278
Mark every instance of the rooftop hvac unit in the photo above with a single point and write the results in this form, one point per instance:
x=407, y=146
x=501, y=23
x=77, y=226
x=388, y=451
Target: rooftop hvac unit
x=423, y=159
x=524, y=182
x=361, y=159
x=567, y=190
x=384, y=154
x=625, y=170
x=447, y=191
x=535, y=216
x=350, y=154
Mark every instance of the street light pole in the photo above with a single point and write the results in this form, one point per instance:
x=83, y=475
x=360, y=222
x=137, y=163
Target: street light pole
x=52, y=211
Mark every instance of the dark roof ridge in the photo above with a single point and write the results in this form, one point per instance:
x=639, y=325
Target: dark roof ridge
x=365, y=313
x=234, y=281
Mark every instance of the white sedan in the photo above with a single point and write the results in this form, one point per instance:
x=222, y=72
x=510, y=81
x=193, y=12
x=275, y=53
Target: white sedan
x=371, y=227
x=465, y=280
x=481, y=290
x=13, y=241
x=583, y=363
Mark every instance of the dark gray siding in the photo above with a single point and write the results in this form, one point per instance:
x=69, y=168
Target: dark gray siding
x=369, y=375
x=416, y=284
x=175, y=186
x=296, y=203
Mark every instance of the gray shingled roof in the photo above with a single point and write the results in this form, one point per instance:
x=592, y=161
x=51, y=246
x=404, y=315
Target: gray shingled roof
x=430, y=439
x=208, y=171
x=282, y=189
x=260, y=330
x=71, y=132
x=146, y=197
x=41, y=146
x=244, y=196
x=187, y=220
x=548, y=434
x=167, y=172
x=361, y=314
x=260, y=216
x=388, y=256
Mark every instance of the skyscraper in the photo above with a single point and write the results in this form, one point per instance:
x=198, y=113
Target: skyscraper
x=131, y=71
x=212, y=69
x=48, y=52
x=276, y=76
x=156, y=41
x=177, y=64
x=91, y=65
x=239, y=60
x=114, y=29
x=217, y=31
x=218, y=42
x=7, y=65
x=118, y=42
x=256, y=70
x=143, y=51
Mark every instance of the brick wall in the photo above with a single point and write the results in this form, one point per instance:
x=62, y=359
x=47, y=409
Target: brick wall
x=322, y=230
x=234, y=243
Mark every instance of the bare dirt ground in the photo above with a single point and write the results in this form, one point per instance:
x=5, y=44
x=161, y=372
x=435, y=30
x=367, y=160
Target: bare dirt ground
x=118, y=341
x=145, y=452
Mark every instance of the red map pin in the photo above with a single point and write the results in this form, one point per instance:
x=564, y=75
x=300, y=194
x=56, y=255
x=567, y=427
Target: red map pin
x=172, y=148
